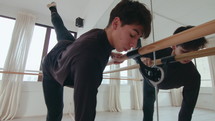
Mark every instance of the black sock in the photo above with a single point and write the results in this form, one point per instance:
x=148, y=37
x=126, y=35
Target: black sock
x=53, y=9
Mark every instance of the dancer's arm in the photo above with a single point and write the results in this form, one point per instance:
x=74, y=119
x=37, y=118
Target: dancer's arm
x=116, y=58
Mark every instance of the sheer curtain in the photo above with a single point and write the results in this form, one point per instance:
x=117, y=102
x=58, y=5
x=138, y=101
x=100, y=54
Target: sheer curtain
x=211, y=43
x=176, y=97
x=10, y=85
x=136, y=87
x=114, y=91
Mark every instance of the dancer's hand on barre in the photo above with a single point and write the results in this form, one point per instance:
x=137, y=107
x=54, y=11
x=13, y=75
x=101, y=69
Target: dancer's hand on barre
x=116, y=58
x=147, y=61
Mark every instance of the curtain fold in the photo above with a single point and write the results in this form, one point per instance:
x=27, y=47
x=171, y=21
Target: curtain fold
x=211, y=59
x=10, y=85
x=176, y=97
x=114, y=91
x=136, y=87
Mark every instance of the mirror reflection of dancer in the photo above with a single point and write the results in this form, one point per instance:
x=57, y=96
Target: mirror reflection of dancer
x=178, y=74
x=80, y=63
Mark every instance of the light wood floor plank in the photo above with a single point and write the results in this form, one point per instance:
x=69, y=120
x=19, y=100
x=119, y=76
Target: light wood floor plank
x=165, y=114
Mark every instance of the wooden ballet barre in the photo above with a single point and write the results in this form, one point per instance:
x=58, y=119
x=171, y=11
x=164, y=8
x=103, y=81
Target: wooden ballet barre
x=10, y=72
x=132, y=79
x=123, y=69
x=190, y=55
x=40, y=74
x=182, y=37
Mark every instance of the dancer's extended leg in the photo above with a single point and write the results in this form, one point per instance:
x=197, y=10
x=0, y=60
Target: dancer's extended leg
x=61, y=31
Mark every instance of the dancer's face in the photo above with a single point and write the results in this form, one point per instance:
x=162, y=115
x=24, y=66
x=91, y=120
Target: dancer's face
x=125, y=37
x=178, y=50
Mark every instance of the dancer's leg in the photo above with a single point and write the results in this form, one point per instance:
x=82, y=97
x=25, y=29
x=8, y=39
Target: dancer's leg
x=148, y=101
x=53, y=94
x=61, y=31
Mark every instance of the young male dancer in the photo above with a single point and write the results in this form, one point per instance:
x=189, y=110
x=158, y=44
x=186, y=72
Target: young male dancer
x=178, y=74
x=80, y=63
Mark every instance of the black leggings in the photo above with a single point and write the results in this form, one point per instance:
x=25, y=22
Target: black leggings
x=148, y=101
x=53, y=91
x=53, y=94
x=61, y=31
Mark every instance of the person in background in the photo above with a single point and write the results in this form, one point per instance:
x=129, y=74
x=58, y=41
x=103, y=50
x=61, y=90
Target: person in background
x=178, y=74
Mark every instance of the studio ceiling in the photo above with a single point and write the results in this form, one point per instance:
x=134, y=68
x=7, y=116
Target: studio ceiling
x=167, y=14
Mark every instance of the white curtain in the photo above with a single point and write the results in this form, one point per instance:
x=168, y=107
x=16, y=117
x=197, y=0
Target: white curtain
x=176, y=97
x=114, y=91
x=136, y=87
x=10, y=85
x=211, y=59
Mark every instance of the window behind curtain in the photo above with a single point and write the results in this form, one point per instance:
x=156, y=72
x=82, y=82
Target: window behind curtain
x=202, y=65
x=6, y=30
x=35, y=53
x=42, y=34
x=106, y=76
x=53, y=39
x=124, y=74
x=36, y=50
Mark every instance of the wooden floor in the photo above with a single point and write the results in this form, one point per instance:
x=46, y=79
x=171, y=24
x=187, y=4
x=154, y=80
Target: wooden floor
x=165, y=114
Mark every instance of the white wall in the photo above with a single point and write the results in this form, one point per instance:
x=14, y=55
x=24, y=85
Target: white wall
x=32, y=100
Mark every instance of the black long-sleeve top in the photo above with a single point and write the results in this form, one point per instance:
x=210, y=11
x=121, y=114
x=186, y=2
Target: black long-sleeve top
x=82, y=60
